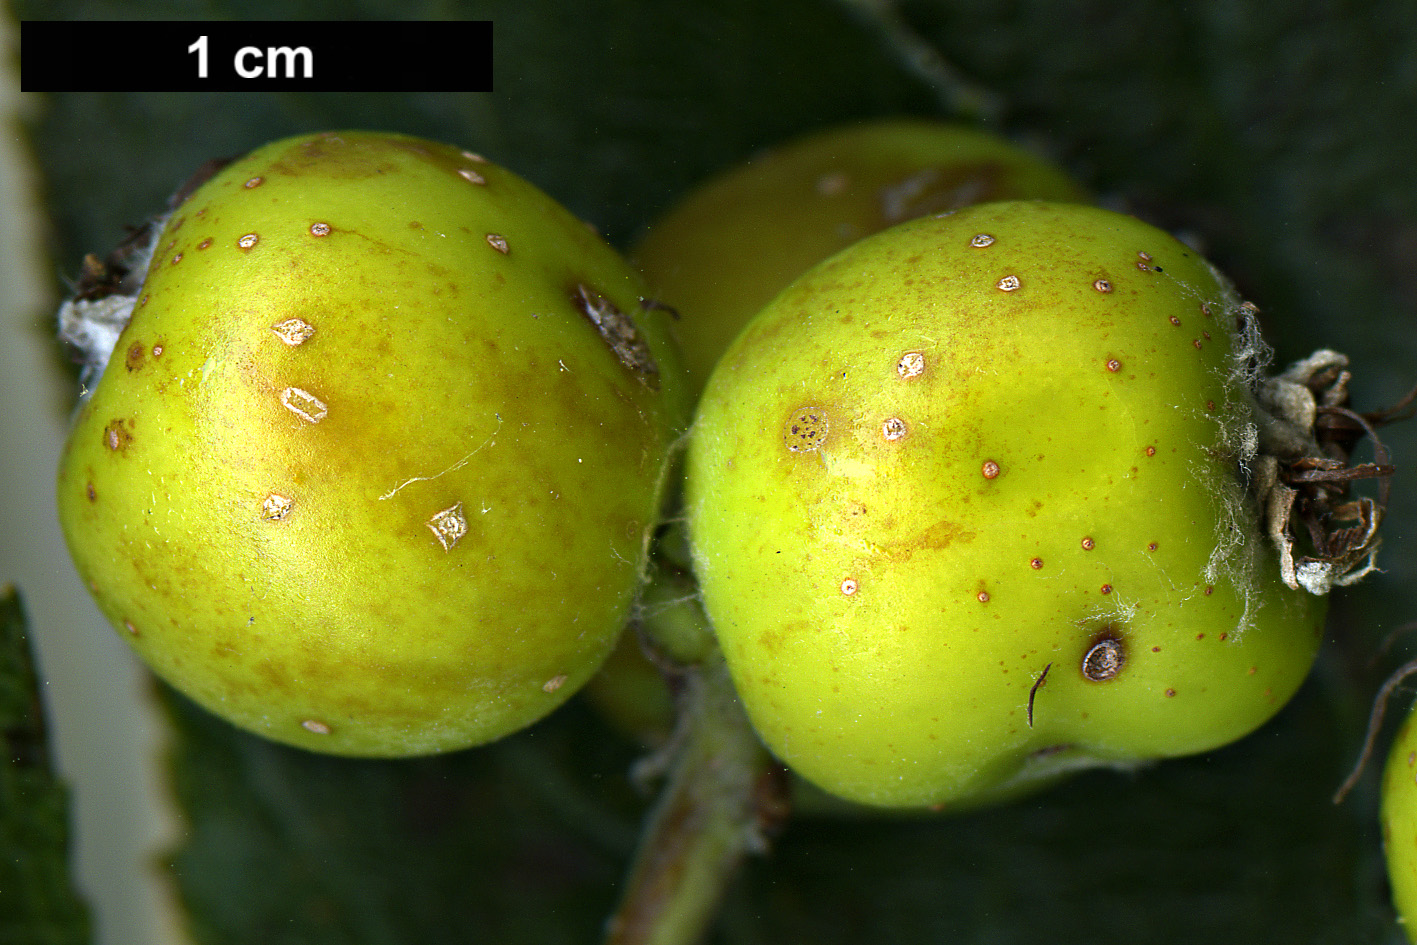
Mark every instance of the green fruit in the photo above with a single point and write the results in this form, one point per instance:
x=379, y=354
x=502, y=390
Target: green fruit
x=374, y=465
x=1399, y=820
x=736, y=241
x=969, y=508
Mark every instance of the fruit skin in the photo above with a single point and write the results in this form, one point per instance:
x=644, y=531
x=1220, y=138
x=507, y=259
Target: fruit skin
x=723, y=252
x=972, y=449
x=363, y=475
x=1399, y=820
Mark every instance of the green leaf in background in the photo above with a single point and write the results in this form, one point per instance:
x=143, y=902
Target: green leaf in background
x=1273, y=135
x=38, y=904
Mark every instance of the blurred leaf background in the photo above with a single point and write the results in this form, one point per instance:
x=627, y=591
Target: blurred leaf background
x=1275, y=136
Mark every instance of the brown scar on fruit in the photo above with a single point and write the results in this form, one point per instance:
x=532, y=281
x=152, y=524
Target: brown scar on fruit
x=1032, y=693
x=448, y=526
x=137, y=351
x=805, y=430
x=1104, y=659
x=293, y=331
x=304, y=404
x=619, y=332
x=116, y=437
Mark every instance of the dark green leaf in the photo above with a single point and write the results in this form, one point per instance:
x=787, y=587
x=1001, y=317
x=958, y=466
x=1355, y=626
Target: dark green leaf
x=38, y=904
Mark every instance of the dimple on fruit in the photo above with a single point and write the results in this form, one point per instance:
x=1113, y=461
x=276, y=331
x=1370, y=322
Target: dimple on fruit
x=989, y=497
x=723, y=252
x=374, y=462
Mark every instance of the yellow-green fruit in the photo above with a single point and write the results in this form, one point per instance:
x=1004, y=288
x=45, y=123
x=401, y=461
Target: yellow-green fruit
x=739, y=239
x=1399, y=818
x=969, y=505
x=373, y=467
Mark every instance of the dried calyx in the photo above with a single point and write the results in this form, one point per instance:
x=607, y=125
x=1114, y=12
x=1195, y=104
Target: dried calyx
x=1325, y=536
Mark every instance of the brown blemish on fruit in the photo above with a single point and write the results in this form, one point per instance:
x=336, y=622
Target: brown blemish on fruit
x=1151, y=546
x=176, y=259
x=1114, y=365
x=1210, y=406
x=1008, y=284
x=1253, y=670
x=1196, y=342
x=1170, y=693
x=990, y=469
x=1209, y=590
x=448, y=526
x=893, y=429
x=130, y=627
x=1106, y=588
x=275, y=507
x=982, y=597
x=1032, y=694
x=253, y=183
x=1175, y=321
x=137, y=351
x=554, y=683
x=205, y=243
x=1102, y=285
x=319, y=229
x=116, y=437
x=805, y=430
x=911, y=364
x=498, y=242
x=619, y=332
x=91, y=493
x=293, y=331
x=1088, y=544
x=1205, y=309
x=1151, y=451
x=1104, y=658
x=982, y=240
x=1036, y=564
x=315, y=727
x=471, y=176
x=303, y=404
x=247, y=241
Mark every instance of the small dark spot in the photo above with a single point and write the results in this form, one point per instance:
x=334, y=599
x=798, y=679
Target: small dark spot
x=1197, y=343
x=1156, y=649
x=1209, y=590
x=1210, y=406
x=205, y=243
x=990, y=469
x=1200, y=636
x=93, y=496
x=1151, y=451
x=1225, y=636
x=176, y=259
x=1151, y=546
x=157, y=350
x=1175, y=321
x=1114, y=365
x=1205, y=335
x=619, y=332
x=137, y=352
x=1170, y=693
x=1088, y=544
x=982, y=597
x=1036, y=564
x=1102, y=285
x=1205, y=309
x=1106, y=588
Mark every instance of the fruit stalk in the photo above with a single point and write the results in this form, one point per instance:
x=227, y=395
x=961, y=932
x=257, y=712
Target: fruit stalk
x=723, y=798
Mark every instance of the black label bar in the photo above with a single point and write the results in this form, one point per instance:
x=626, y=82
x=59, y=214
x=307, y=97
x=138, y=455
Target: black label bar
x=256, y=56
